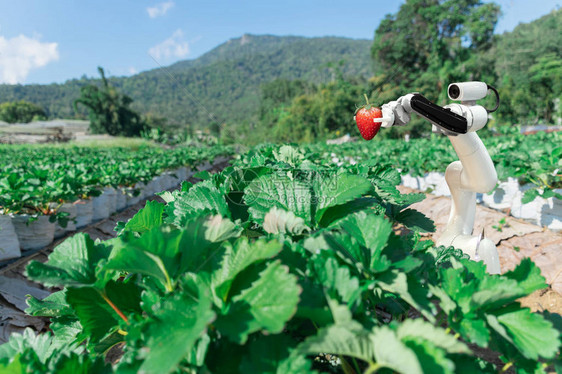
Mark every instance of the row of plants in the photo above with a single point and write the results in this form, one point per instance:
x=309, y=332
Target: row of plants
x=534, y=159
x=33, y=178
x=281, y=264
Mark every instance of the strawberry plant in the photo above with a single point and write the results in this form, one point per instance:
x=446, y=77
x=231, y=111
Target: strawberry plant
x=280, y=264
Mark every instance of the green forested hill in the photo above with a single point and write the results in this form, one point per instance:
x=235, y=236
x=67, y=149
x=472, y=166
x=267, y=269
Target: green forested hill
x=225, y=81
x=223, y=85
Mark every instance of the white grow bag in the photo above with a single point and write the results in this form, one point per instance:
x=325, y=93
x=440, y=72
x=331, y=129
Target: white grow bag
x=84, y=212
x=507, y=195
x=204, y=166
x=154, y=186
x=9, y=243
x=35, y=235
x=104, y=205
x=120, y=199
x=132, y=200
x=70, y=225
x=503, y=196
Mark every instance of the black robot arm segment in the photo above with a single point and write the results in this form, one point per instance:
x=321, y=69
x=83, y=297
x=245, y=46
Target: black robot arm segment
x=439, y=116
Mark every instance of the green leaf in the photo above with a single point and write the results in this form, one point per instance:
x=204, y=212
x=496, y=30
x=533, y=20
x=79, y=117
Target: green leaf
x=334, y=214
x=278, y=221
x=155, y=254
x=54, y=305
x=473, y=330
x=197, y=200
x=336, y=190
x=96, y=315
x=432, y=359
x=174, y=329
x=418, y=328
x=41, y=345
x=146, y=219
x=72, y=263
x=267, y=304
x=201, y=237
x=335, y=278
x=390, y=352
x=415, y=220
x=272, y=354
x=278, y=191
x=165, y=254
x=409, y=290
x=533, y=336
x=528, y=276
x=371, y=231
x=529, y=196
x=238, y=257
x=344, y=338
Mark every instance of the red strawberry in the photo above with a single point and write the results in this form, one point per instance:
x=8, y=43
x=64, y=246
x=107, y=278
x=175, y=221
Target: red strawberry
x=364, y=117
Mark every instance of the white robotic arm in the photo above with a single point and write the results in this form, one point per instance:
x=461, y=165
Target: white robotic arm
x=475, y=172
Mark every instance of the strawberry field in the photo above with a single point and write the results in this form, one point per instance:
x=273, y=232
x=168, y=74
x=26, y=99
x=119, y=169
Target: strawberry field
x=292, y=260
x=49, y=184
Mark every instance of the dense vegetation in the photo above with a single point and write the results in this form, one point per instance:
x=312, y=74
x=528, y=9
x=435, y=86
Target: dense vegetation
x=222, y=85
x=229, y=88
x=109, y=111
x=21, y=112
x=65, y=174
x=284, y=263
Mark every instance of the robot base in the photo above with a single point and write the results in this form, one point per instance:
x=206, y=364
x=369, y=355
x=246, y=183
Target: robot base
x=487, y=251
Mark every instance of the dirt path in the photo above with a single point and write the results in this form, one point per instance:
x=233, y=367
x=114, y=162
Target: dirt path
x=515, y=240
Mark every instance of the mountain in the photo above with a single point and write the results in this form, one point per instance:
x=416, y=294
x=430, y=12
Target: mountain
x=222, y=85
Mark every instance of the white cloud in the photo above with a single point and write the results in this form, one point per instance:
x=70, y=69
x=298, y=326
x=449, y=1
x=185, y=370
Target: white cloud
x=174, y=46
x=132, y=70
x=19, y=55
x=159, y=9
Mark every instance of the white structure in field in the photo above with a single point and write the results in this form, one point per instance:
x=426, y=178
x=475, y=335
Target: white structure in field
x=473, y=173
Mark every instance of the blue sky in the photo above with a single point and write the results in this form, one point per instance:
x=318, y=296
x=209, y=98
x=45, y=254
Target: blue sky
x=51, y=41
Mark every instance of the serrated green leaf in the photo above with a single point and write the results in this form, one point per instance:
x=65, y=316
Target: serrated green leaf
x=528, y=276
x=371, y=231
x=432, y=359
x=336, y=190
x=533, y=336
x=418, y=328
x=278, y=191
x=415, y=220
x=279, y=221
x=238, y=257
x=175, y=328
x=54, y=305
x=146, y=219
x=473, y=330
x=335, y=278
x=390, y=352
x=272, y=354
x=267, y=304
x=409, y=290
x=94, y=313
x=344, y=338
x=199, y=199
x=72, y=263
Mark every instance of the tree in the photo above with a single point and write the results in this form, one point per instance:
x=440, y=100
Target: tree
x=108, y=110
x=20, y=111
